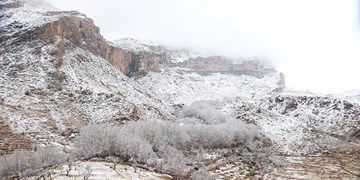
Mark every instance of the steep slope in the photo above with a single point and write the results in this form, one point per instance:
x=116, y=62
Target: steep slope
x=300, y=124
x=153, y=57
x=52, y=85
x=179, y=86
x=57, y=73
x=297, y=123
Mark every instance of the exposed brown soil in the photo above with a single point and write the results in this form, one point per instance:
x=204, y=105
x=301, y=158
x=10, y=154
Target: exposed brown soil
x=9, y=141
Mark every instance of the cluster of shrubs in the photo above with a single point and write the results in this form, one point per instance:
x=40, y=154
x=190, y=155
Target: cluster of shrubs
x=22, y=163
x=165, y=145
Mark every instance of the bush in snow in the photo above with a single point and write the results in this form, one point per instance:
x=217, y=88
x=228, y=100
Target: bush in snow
x=173, y=161
x=96, y=140
x=169, y=142
x=24, y=163
x=203, y=113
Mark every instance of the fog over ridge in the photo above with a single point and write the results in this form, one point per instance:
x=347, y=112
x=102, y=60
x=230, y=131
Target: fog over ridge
x=315, y=43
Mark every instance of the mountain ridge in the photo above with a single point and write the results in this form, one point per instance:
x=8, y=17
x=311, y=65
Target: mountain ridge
x=58, y=74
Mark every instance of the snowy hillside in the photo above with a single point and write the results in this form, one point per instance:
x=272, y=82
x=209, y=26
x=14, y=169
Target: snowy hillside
x=299, y=124
x=310, y=122
x=184, y=86
x=33, y=12
x=136, y=45
x=164, y=110
x=352, y=96
x=177, y=55
x=84, y=89
x=44, y=92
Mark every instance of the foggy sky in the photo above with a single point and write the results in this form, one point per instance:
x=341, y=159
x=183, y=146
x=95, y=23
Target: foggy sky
x=315, y=43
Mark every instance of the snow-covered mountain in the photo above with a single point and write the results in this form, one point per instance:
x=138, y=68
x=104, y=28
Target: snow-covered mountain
x=177, y=55
x=50, y=85
x=59, y=74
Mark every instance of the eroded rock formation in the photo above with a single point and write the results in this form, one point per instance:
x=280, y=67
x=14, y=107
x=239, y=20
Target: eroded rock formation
x=82, y=32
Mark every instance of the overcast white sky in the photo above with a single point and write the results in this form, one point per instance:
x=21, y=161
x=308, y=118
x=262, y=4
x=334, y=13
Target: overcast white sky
x=316, y=43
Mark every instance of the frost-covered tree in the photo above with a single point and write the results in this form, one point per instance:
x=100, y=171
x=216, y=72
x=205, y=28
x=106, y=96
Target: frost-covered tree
x=24, y=163
x=174, y=161
x=69, y=167
x=202, y=111
x=86, y=173
x=97, y=140
x=168, y=141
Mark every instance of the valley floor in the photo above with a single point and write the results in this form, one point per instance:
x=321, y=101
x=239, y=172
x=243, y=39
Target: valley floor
x=100, y=170
x=342, y=164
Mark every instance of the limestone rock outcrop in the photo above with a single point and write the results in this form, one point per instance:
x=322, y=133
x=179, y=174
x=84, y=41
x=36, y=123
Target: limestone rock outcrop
x=82, y=32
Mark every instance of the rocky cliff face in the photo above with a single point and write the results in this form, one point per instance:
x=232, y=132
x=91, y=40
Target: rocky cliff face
x=82, y=32
x=57, y=73
x=55, y=78
x=152, y=57
x=77, y=29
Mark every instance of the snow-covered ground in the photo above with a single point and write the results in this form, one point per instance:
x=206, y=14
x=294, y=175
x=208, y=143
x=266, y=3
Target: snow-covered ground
x=352, y=95
x=31, y=13
x=184, y=86
x=177, y=55
x=39, y=99
x=182, y=55
x=100, y=170
x=136, y=45
x=42, y=97
x=297, y=122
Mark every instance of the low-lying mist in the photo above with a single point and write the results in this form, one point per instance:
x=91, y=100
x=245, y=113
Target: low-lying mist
x=316, y=44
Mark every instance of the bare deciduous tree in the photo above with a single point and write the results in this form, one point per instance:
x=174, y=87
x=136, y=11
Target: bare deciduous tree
x=86, y=173
x=24, y=163
x=69, y=167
